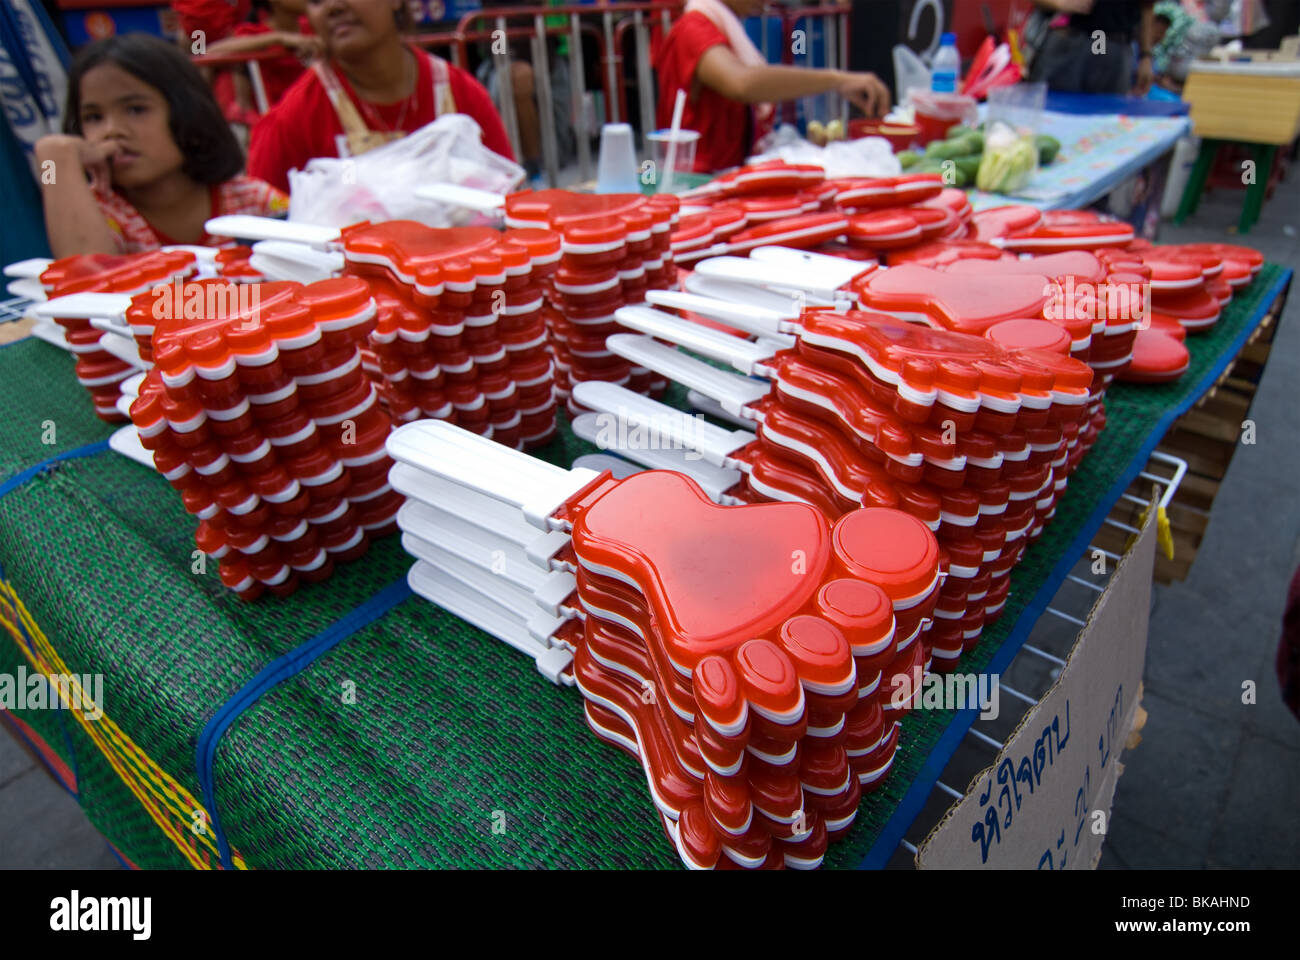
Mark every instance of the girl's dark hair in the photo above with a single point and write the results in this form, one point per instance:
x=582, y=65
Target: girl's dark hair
x=405, y=19
x=211, y=153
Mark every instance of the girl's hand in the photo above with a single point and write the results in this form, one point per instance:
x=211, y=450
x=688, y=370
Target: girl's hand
x=69, y=150
x=866, y=91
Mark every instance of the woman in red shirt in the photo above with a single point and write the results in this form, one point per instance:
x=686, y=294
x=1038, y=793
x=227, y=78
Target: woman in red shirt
x=372, y=88
x=730, y=87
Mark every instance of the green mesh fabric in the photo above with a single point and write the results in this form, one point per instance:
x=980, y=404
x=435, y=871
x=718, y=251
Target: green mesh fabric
x=450, y=731
x=39, y=389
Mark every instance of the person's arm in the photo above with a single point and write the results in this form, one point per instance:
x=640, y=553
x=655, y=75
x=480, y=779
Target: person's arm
x=1067, y=6
x=722, y=71
x=299, y=43
x=73, y=221
x=1146, y=43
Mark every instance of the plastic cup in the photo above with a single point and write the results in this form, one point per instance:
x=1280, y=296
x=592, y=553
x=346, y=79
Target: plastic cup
x=616, y=171
x=683, y=162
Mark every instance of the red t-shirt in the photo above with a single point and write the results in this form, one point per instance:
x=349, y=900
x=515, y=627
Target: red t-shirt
x=304, y=124
x=278, y=74
x=216, y=18
x=725, y=126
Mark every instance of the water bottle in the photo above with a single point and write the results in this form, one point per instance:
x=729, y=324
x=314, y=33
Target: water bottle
x=946, y=69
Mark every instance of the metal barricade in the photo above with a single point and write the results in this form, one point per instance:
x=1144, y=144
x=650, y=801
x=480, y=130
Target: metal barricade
x=613, y=27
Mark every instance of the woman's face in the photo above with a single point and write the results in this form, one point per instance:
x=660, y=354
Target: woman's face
x=119, y=107
x=352, y=27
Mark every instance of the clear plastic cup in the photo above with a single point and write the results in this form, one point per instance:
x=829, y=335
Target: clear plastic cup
x=616, y=169
x=683, y=161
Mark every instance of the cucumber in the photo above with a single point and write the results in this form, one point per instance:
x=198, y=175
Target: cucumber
x=908, y=159
x=950, y=149
x=969, y=166
x=1048, y=148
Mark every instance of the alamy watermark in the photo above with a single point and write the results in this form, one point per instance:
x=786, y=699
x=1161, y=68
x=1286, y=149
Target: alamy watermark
x=202, y=301
x=664, y=431
x=1097, y=301
x=55, y=691
x=951, y=691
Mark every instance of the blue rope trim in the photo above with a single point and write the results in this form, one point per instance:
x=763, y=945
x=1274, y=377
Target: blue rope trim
x=277, y=671
x=910, y=806
x=17, y=480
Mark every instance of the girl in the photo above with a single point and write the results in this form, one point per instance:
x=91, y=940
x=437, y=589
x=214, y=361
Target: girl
x=372, y=88
x=146, y=157
x=708, y=54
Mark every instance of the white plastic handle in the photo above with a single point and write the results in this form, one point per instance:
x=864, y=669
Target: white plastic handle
x=445, y=450
x=131, y=385
x=794, y=257
x=122, y=346
x=111, y=325
x=51, y=333
x=325, y=262
x=538, y=549
x=751, y=319
x=734, y=392
x=499, y=518
x=540, y=624
x=713, y=479
x=744, y=356
x=245, y=227
x=83, y=306
x=427, y=538
x=619, y=468
x=488, y=615
x=619, y=410
x=708, y=405
x=455, y=195
x=287, y=268
x=743, y=294
x=126, y=441
x=29, y=269
x=815, y=287
x=27, y=289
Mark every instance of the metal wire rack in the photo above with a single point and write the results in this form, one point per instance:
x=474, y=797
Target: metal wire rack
x=1037, y=664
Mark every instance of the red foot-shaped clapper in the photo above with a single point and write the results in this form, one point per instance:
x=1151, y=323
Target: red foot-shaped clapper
x=258, y=412
x=736, y=651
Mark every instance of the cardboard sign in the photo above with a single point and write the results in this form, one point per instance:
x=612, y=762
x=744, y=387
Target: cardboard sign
x=1045, y=802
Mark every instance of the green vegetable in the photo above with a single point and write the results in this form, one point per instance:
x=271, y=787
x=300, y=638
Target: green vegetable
x=952, y=149
x=908, y=158
x=958, y=130
x=969, y=166
x=1006, y=168
x=1048, y=148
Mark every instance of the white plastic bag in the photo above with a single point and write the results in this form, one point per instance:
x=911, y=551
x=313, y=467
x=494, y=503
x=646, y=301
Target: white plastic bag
x=381, y=184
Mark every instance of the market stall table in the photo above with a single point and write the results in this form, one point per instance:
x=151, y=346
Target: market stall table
x=1098, y=153
x=352, y=723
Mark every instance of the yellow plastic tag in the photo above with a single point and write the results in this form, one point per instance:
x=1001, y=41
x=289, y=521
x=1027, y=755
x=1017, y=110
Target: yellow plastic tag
x=1164, y=533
